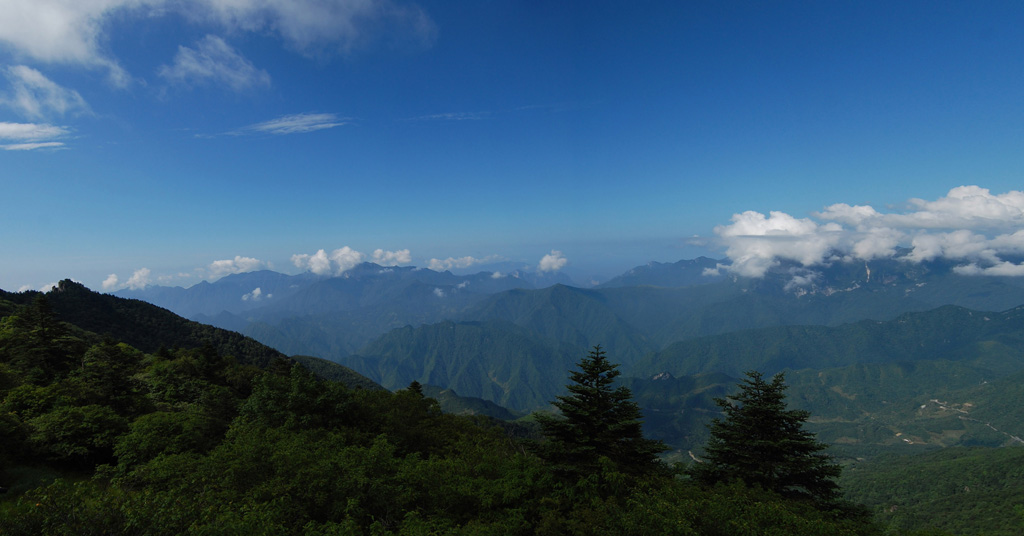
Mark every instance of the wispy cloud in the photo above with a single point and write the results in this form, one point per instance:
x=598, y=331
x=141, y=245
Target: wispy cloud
x=294, y=124
x=30, y=136
x=213, y=61
x=73, y=32
x=969, y=225
x=453, y=116
x=32, y=146
x=35, y=96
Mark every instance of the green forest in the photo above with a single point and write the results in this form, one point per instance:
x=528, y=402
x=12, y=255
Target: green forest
x=100, y=437
x=118, y=417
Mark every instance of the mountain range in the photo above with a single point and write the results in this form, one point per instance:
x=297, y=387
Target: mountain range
x=889, y=358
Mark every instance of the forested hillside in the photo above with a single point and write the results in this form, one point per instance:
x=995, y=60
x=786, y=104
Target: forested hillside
x=100, y=437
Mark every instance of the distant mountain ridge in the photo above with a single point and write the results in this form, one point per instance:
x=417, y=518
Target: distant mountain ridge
x=497, y=339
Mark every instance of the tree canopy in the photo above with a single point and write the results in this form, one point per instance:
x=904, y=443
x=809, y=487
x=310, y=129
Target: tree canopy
x=598, y=422
x=763, y=444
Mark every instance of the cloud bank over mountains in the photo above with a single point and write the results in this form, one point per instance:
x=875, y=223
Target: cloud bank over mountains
x=980, y=231
x=971, y=225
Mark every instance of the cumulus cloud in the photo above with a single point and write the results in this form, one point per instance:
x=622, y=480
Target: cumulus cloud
x=213, y=61
x=439, y=292
x=75, y=32
x=338, y=262
x=139, y=280
x=238, y=265
x=552, y=262
x=111, y=282
x=57, y=31
x=969, y=224
x=255, y=295
x=392, y=258
x=35, y=96
x=29, y=136
x=757, y=243
x=439, y=265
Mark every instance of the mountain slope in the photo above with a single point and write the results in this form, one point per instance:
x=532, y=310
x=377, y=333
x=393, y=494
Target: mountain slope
x=570, y=315
x=149, y=328
x=496, y=361
x=948, y=332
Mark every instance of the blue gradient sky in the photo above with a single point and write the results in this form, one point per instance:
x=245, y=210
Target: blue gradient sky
x=612, y=132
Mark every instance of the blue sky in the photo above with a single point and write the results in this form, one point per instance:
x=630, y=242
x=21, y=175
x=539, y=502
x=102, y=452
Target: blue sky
x=193, y=138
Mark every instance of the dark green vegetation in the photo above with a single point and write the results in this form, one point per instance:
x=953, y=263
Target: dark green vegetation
x=598, y=425
x=99, y=437
x=763, y=443
x=957, y=490
x=919, y=375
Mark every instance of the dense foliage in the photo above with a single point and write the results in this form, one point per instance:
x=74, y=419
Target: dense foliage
x=98, y=437
x=599, y=424
x=958, y=490
x=762, y=443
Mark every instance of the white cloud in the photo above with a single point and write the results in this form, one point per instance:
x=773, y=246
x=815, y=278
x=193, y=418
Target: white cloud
x=30, y=136
x=30, y=131
x=320, y=263
x=255, y=295
x=453, y=116
x=439, y=292
x=75, y=32
x=968, y=224
x=552, y=262
x=64, y=31
x=1004, y=268
x=392, y=258
x=313, y=26
x=439, y=265
x=462, y=285
x=345, y=259
x=294, y=124
x=756, y=243
x=31, y=146
x=139, y=279
x=213, y=61
x=238, y=265
x=497, y=275
x=110, y=282
x=36, y=97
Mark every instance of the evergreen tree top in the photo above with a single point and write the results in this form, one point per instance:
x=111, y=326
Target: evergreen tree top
x=598, y=421
x=762, y=443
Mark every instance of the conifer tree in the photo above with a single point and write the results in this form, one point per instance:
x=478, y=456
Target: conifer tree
x=597, y=421
x=763, y=444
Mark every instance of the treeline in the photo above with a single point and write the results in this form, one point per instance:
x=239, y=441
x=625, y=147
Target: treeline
x=193, y=441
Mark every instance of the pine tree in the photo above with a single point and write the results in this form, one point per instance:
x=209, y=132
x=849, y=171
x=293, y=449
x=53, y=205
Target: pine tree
x=763, y=444
x=597, y=422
